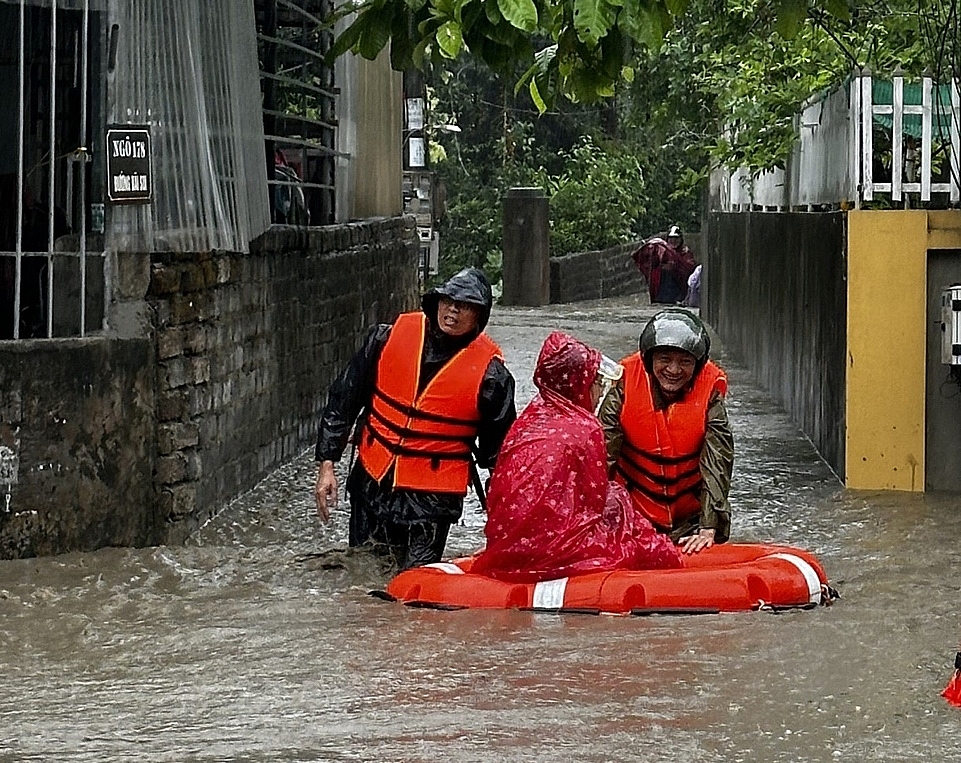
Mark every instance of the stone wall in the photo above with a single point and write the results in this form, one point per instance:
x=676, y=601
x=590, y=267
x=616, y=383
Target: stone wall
x=77, y=445
x=595, y=275
x=775, y=289
x=215, y=373
x=247, y=345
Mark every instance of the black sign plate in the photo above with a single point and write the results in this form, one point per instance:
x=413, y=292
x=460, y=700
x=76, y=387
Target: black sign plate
x=129, y=179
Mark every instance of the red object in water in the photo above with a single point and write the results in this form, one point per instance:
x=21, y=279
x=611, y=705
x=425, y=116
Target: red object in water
x=730, y=577
x=952, y=692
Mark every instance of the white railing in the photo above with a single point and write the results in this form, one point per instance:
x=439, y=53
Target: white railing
x=904, y=156
x=838, y=159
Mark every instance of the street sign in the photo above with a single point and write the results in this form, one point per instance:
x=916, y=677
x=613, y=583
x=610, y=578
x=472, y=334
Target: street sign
x=129, y=179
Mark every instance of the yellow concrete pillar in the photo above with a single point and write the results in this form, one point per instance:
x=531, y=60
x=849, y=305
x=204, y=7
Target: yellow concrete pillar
x=887, y=272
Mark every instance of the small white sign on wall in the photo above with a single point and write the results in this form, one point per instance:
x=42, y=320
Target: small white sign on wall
x=417, y=157
x=9, y=465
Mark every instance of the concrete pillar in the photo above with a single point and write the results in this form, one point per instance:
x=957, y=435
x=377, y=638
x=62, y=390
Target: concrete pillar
x=527, y=265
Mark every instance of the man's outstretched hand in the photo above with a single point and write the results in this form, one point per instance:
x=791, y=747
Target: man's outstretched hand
x=325, y=490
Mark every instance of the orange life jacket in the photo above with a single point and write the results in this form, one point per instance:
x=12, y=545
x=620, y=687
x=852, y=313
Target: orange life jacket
x=427, y=438
x=659, y=463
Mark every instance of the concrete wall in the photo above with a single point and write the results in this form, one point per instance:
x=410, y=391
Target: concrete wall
x=369, y=128
x=595, y=275
x=77, y=445
x=774, y=289
x=888, y=334
x=137, y=440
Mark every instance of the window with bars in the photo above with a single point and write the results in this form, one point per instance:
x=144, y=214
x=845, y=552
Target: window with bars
x=68, y=68
x=298, y=109
x=51, y=282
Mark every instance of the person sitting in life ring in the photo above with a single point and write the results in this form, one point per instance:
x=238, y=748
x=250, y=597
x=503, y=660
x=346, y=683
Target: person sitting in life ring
x=551, y=511
x=669, y=441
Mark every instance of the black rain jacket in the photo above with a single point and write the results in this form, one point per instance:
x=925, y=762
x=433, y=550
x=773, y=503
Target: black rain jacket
x=352, y=390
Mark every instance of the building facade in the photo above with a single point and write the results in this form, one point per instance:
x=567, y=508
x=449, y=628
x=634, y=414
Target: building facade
x=199, y=215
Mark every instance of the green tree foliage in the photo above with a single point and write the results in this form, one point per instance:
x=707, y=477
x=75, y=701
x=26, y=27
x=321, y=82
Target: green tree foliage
x=580, y=49
x=733, y=74
x=598, y=199
x=608, y=181
x=721, y=82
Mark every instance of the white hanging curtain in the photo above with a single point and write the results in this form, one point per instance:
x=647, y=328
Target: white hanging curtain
x=189, y=70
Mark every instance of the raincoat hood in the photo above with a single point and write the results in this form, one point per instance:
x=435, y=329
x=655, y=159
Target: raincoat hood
x=551, y=511
x=469, y=285
x=567, y=367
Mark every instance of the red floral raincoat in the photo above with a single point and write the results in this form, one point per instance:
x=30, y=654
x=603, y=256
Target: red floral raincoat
x=552, y=512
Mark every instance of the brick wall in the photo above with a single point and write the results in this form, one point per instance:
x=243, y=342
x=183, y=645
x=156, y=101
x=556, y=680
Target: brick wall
x=595, y=275
x=215, y=373
x=247, y=345
x=77, y=446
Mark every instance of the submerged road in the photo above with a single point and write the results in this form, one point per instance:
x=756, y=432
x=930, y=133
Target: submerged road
x=258, y=640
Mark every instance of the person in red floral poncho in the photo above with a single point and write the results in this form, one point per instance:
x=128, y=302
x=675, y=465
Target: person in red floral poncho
x=552, y=512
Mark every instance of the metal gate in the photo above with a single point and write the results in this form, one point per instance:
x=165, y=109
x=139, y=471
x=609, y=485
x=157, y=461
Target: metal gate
x=51, y=283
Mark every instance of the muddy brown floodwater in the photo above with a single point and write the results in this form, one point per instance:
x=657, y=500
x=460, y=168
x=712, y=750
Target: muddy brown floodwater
x=258, y=641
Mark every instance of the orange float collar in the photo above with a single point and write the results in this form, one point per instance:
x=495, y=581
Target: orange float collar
x=659, y=463
x=730, y=577
x=426, y=437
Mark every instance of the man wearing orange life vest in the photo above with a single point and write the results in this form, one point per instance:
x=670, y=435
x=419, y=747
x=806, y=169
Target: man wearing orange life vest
x=669, y=441
x=435, y=394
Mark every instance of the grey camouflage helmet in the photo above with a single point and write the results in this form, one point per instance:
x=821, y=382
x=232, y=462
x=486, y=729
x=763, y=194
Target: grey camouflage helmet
x=679, y=329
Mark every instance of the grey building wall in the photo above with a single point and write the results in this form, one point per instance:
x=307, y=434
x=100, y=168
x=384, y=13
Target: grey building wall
x=137, y=440
x=774, y=287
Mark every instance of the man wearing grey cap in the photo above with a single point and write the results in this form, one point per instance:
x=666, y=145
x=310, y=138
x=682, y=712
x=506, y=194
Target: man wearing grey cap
x=669, y=441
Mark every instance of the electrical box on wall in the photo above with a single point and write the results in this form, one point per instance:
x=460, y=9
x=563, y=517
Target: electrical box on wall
x=951, y=325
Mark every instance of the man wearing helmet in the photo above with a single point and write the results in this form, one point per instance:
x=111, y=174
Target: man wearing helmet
x=435, y=394
x=669, y=441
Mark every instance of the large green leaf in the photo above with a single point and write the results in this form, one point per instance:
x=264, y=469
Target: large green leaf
x=643, y=24
x=376, y=34
x=348, y=38
x=790, y=16
x=520, y=13
x=593, y=19
x=450, y=40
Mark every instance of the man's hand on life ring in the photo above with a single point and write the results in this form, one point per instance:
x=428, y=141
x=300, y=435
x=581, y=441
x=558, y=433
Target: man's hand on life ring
x=694, y=543
x=325, y=489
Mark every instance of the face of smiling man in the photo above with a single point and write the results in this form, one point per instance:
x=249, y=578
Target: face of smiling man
x=456, y=318
x=673, y=370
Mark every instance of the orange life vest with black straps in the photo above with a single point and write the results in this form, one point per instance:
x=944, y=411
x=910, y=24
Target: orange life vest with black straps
x=659, y=463
x=427, y=438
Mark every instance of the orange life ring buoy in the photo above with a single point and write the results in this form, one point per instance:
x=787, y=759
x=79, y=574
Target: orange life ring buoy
x=730, y=577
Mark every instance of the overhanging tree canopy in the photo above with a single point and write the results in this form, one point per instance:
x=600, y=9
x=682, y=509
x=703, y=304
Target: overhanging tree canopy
x=579, y=49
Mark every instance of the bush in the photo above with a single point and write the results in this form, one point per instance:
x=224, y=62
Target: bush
x=597, y=199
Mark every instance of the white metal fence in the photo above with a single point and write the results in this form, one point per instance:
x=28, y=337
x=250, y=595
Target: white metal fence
x=870, y=139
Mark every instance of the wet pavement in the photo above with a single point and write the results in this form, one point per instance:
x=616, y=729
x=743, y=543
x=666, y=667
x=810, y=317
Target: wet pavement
x=258, y=640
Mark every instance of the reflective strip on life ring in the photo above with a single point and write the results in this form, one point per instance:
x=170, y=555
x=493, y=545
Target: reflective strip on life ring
x=450, y=569
x=810, y=576
x=549, y=594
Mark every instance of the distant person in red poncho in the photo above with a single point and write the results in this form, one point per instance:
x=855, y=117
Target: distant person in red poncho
x=666, y=263
x=552, y=512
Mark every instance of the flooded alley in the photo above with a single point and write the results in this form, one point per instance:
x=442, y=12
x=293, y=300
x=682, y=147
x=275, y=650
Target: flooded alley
x=258, y=640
